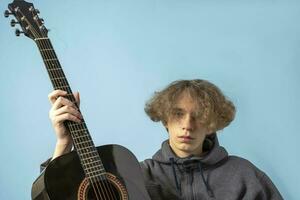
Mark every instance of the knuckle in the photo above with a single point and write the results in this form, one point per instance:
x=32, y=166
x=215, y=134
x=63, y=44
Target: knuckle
x=59, y=99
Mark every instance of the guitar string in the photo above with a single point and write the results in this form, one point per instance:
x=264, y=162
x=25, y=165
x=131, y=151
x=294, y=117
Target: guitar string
x=107, y=187
x=76, y=139
x=36, y=35
x=34, y=32
x=70, y=125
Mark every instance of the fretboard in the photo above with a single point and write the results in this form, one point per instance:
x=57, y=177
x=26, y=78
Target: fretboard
x=86, y=150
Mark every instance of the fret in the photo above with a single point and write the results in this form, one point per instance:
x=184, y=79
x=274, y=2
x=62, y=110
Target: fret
x=90, y=159
x=85, y=142
x=97, y=177
x=94, y=170
x=53, y=64
x=99, y=171
x=89, y=153
x=77, y=124
x=94, y=167
x=59, y=78
x=56, y=69
x=84, y=148
x=62, y=87
x=91, y=164
x=84, y=130
x=79, y=132
x=91, y=146
x=42, y=50
x=87, y=160
x=82, y=137
x=97, y=164
x=94, y=164
x=51, y=59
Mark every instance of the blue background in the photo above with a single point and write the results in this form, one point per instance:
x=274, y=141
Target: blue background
x=117, y=53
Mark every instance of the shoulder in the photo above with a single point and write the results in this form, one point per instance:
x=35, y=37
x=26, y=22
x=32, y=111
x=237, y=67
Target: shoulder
x=244, y=167
x=147, y=166
x=147, y=163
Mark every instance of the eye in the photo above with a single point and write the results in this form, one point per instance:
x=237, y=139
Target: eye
x=178, y=114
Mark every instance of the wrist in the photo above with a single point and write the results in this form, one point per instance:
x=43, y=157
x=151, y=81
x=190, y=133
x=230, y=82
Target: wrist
x=64, y=142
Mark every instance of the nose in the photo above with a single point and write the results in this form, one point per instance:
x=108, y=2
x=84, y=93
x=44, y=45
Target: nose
x=188, y=123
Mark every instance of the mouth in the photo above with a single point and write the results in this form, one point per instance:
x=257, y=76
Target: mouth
x=185, y=138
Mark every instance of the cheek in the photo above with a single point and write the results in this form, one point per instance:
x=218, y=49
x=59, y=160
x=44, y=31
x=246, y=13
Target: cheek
x=173, y=131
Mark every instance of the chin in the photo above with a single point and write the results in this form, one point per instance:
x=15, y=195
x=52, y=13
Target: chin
x=187, y=147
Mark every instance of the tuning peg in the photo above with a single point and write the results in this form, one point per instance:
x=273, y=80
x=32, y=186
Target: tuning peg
x=18, y=32
x=13, y=23
x=36, y=18
x=37, y=11
x=7, y=13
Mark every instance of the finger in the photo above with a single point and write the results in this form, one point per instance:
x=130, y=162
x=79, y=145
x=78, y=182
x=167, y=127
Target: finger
x=61, y=101
x=67, y=109
x=55, y=94
x=66, y=116
x=77, y=98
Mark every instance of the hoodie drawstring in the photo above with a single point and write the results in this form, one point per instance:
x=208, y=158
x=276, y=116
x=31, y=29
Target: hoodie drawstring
x=175, y=175
x=173, y=163
x=209, y=191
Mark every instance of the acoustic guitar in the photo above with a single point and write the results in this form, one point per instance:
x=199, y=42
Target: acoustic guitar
x=109, y=172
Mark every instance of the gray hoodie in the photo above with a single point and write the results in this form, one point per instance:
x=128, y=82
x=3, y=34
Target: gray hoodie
x=213, y=176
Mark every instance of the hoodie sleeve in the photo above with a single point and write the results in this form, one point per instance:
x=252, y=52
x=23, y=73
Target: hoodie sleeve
x=269, y=190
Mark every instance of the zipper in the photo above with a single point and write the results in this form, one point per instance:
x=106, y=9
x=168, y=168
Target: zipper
x=190, y=181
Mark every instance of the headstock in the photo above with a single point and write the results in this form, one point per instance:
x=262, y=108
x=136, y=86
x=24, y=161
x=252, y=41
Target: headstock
x=27, y=17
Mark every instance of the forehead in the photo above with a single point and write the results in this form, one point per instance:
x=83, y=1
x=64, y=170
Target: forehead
x=186, y=101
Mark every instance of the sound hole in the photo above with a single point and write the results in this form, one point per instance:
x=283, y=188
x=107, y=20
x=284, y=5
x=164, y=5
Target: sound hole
x=103, y=190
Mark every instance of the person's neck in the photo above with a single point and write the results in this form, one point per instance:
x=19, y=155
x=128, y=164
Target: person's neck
x=184, y=154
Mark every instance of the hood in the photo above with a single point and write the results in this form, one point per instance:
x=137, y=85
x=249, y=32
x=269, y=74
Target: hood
x=215, y=153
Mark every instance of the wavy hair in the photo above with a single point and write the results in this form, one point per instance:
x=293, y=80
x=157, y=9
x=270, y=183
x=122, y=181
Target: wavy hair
x=215, y=110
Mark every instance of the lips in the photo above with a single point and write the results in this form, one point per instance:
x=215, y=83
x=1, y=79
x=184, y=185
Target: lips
x=185, y=138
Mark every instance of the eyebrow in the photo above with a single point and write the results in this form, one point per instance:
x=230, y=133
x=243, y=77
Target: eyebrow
x=178, y=109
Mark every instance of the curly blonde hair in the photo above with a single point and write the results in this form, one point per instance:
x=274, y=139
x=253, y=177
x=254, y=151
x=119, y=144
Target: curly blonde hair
x=215, y=110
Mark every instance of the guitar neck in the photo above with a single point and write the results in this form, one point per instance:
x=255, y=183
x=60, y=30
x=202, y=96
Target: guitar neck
x=82, y=140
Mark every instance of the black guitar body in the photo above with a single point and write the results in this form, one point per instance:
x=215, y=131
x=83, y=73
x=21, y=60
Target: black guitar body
x=64, y=178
